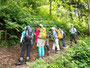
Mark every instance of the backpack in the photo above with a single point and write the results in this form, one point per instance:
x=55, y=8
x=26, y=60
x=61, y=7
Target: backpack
x=42, y=34
x=28, y=35
x=75, y=32
x=64, y=34
x=59, y=36
x=47, y=34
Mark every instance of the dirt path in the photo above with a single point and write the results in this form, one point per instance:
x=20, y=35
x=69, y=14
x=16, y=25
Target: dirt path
x=9, y=56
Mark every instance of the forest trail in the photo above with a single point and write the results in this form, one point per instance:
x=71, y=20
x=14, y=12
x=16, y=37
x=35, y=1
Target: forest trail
x=9, y=56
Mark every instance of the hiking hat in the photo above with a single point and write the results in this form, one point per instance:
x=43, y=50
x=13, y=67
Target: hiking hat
x=27, y=27
x=53, y=28
x=72, y=25
x=41, y=25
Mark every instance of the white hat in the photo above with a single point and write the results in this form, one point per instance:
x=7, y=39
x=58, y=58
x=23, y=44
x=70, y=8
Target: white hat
x=41, y=25
x=53, y=28
x=72, y=25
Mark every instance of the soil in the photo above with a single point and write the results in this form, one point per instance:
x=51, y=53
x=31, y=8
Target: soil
x=10, y=55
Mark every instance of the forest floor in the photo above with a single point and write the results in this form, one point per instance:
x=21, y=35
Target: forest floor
x=10, y=55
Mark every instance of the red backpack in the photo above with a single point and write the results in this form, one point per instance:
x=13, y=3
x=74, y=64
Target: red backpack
x=47, y=35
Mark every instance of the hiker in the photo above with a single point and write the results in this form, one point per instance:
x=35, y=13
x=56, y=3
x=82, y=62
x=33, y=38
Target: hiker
x=40, y=39
x=47, y=43
x=73, y=34
x=55, y=41
x=26, y=43
x=63, y=36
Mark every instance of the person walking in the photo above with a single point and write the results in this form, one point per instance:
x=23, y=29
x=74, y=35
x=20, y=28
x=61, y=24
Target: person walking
x=26, y=43
x=47, y=43
x=73, y=34
x=55, y=41
x=40, y=39
x=63, y=36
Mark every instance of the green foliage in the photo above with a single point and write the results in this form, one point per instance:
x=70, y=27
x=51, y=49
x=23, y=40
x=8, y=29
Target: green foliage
x=64, y=17
x=76, y=57
x=4, y=43
x=1, y=32
x=80, y=54
x=17, y=14
x=38, y=64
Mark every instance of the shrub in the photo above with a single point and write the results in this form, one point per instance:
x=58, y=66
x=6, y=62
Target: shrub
x=76, y=57
x=38, y=64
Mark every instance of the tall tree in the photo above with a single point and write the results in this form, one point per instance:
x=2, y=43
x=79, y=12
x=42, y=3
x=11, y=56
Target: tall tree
x=50, y=7
x=89, y=16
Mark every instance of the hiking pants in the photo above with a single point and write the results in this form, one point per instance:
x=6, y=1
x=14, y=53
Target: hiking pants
x=73, y=37
x=63, y=41
x=47, y=44
x=56, y=44
x=41, y=51
x=28, y=46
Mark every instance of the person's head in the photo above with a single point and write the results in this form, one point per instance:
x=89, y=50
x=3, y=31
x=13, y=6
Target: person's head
x=53, y=28
x=72, y=25
x=60, y=28
x=40, y=25
x=27, y=27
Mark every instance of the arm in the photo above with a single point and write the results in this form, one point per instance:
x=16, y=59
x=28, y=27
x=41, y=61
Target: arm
x=37, y=33
x=75, y=29
x=32, y=34
x=21, y=39
x=54, y=34
x=57, y=30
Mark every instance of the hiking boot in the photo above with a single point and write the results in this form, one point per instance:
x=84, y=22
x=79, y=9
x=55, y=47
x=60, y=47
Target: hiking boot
x=42, y=57
x=19, y=63
x=27, y=59
x=58, y=51
x=53, y=51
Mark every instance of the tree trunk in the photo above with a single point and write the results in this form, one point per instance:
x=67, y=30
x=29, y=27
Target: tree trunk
x=35, y=6
x=89, y=16
x=2, y=2
x=50, y=7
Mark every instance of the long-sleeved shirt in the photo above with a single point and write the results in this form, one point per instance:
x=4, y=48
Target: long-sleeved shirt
x=73, y=30
x=22, y=37
x=54, y=34
x=37, y=33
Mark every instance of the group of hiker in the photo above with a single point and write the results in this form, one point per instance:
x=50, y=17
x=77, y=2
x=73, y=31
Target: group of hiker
x=42, y=41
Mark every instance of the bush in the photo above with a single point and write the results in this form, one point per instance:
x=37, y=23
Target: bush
x=76, y=57
x=14, y=18
x=38, y=64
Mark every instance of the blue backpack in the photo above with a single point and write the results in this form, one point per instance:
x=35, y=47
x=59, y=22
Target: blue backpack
x=28, y=35
x=75, y=32
x=64, y=34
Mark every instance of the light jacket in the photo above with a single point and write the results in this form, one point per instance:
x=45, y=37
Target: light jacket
x=37, y=33
x=54, y=34
x=73, y=30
